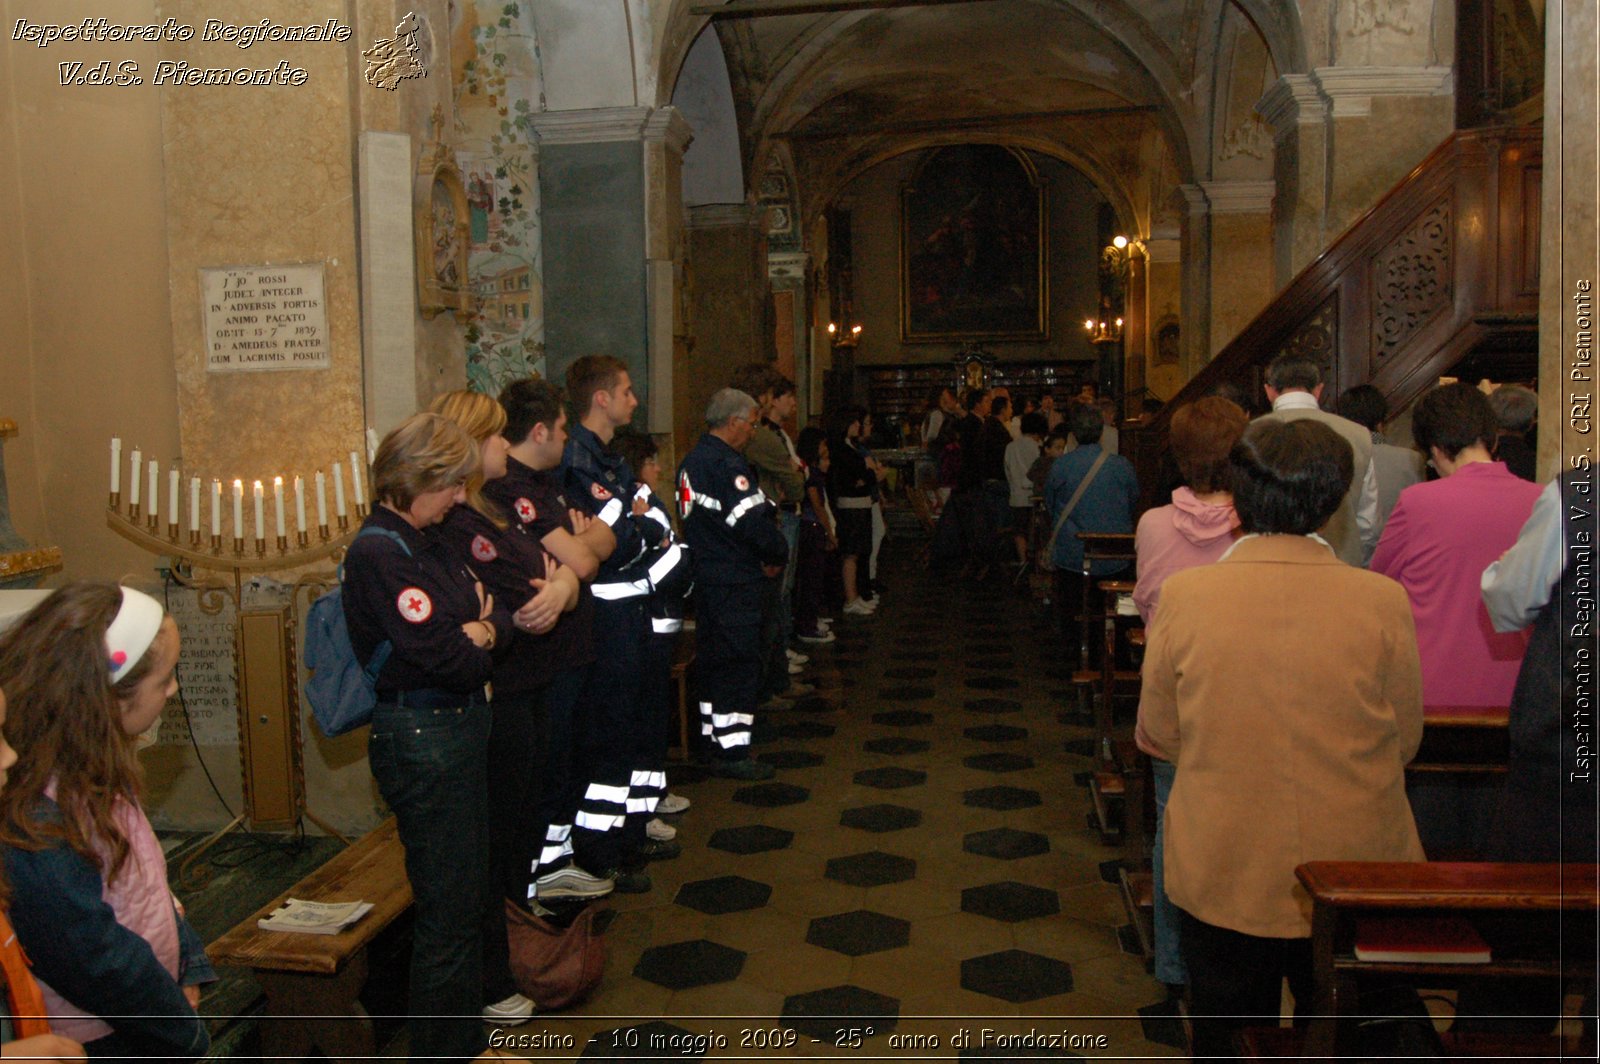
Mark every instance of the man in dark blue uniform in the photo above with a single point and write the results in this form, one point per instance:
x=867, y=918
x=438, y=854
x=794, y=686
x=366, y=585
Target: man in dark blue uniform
x=737, y=546
x=618, y=732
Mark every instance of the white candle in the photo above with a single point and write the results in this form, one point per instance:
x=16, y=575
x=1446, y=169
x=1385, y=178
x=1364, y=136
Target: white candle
x=116, y=464
x=338, y=490
x=216, y=508
x=194, y=504
x=155, y=486
x=322, y=500
x=261, y=512
x=172, y=495
x=355, y=478
x=238, y=509
x=277, y=503
x=133, y=481
x=299, y=505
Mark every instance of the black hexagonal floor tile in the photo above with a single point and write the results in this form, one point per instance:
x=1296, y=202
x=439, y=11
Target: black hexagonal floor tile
x=771, y=795
x=822, y=1013
x=686, y=775
x=858, y=933
x=1111, y=871
x=905, y=694
x=1016, y=975
x=814, y=704
x=1080, y=747
x=1163, y=1024
x=915, y=655
x=991, y=649
x=723, y=894
x=987, y=665
x=993, y=705
x=1004, y=798
x=996, y=733
x=791, y=758
x=880, y=818
x=902, y=718
x=998, y=762
x=896, y=745
x=911, y=672
x=991, y=683
x=1081, y=779
x=872, y=869
x=765, y=729
x=654, y=1039
x=752, y=838
x=891, y=778
x=1008, y=844
x=1010, y=901
x=804, y=729
x=688, y=964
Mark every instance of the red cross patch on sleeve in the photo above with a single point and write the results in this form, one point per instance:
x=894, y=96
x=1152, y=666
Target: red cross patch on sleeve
x=685, y=495
x=483, y=550
x=599, y=492
x=525, y=511
x=742, y=482
x=415, y=605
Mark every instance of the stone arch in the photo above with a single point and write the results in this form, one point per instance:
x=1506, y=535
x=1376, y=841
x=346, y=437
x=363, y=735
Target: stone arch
x=713, y=170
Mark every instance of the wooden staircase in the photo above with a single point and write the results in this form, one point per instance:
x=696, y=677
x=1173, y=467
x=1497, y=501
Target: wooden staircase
x=1444, y=268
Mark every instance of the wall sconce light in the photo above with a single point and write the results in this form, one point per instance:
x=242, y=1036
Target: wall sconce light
x=844, y=339
x=1102, y=331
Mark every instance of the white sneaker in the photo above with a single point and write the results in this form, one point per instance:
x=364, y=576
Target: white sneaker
x=571, y=882
x=672, y=803
x=660, y=830
x=797, y=658
x=514, y=1010
x=858, y=608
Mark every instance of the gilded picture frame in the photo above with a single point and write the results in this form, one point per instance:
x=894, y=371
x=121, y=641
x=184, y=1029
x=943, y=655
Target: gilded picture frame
x=444, y=237
x=974, y=258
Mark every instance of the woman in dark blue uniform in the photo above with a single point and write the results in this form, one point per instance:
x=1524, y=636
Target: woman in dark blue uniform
x=430, y=730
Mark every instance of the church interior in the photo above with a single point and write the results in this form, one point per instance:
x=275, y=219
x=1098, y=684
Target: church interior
x=299, y=239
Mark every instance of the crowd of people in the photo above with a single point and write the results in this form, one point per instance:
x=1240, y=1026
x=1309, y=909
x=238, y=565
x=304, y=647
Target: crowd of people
x=1306, y=592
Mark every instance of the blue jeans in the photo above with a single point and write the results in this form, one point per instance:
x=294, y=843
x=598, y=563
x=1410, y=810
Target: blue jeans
x=431, y=767
x=1169, y=961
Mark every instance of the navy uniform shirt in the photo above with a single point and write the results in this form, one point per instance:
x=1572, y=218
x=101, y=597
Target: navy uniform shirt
x=418, y=603
x=534, y=499
x=727, y=521
x=604, y=481
x=505, y=560
x=668, y=572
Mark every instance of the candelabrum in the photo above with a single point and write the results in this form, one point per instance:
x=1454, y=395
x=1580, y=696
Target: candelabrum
x=291, y=550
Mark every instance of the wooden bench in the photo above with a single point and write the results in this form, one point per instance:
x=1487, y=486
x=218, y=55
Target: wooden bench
x=1521, y=899
x=1463, y=740
x=682, y=658
x=322, y=976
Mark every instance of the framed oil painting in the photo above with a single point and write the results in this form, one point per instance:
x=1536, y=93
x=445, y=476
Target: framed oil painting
x=444, y=235
x=973, y=258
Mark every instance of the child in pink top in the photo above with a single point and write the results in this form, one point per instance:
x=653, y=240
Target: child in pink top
x=87, y=673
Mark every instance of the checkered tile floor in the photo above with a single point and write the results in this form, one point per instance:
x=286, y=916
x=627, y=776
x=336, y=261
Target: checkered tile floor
x=920, y=867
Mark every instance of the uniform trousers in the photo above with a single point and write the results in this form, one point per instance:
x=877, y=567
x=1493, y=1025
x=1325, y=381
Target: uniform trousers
x=727, y=664
x=611, y=733
x=514, y=759
x=557, y=785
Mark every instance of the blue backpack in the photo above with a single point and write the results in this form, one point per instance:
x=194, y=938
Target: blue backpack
x=342, y=693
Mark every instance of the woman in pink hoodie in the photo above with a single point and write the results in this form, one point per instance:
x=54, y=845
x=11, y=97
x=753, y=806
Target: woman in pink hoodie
x=1196, y=529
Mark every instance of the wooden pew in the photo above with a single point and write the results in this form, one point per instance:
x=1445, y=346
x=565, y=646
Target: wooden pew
x=1463, y=739
x=1517, y=897
x=322, y=975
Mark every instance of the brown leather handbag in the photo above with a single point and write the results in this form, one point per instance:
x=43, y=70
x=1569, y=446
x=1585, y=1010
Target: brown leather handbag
x=555, y=966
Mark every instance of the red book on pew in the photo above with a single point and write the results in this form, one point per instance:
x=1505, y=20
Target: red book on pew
x=1419, y=940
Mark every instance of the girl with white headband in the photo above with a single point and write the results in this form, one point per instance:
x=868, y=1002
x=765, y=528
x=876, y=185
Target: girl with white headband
x=86, y=673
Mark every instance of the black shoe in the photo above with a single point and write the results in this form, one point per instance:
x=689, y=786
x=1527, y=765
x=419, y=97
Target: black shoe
x=629, y=882
x=743, y=770
x=657, y=850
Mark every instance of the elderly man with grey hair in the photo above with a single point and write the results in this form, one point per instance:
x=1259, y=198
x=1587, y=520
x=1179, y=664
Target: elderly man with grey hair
x=733, y=536
x=1515, y=409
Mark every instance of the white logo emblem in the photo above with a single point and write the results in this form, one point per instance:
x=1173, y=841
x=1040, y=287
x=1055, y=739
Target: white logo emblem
x=525, y=511
x=742, y=482
x=415, y=605
x=483, y=550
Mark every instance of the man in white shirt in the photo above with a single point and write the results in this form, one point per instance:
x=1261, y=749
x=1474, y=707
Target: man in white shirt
x=1294, y=388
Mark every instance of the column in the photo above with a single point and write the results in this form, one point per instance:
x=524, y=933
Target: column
x=1297, y=115
x=1241, y=255
x=1195, y=254
x=593, y=189
x=666, y=136
x=786, y=273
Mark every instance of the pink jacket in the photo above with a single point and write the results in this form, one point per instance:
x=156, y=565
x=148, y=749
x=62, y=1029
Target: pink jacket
x=1170, y=539
x=1176, y=537
x=1441, y=537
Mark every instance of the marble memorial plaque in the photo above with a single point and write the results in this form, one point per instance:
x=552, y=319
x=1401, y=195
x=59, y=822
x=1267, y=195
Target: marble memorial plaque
x=263, y=318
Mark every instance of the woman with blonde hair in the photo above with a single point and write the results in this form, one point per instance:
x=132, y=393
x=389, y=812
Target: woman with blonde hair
x=405, y=588
x=517, y=570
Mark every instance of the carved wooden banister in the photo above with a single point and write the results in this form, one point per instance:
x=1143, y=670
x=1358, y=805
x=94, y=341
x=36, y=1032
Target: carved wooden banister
x=1446, y=264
